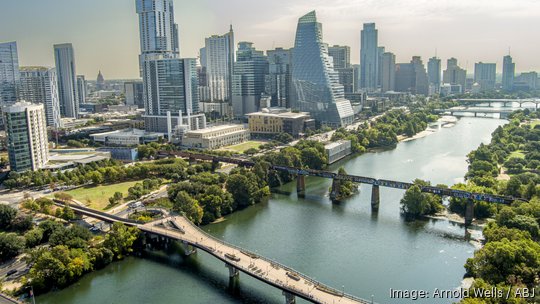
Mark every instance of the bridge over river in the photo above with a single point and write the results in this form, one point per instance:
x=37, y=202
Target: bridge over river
x=178, y=228
x=375, y=183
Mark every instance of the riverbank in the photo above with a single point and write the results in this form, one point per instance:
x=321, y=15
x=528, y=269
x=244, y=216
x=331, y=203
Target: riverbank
x=443, y=122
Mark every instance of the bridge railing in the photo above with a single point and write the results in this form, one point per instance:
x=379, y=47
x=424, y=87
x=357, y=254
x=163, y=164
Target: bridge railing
x=100, y=213
x=286, y=268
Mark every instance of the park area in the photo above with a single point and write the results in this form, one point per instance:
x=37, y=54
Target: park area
x=241, y=148
x=98, y=197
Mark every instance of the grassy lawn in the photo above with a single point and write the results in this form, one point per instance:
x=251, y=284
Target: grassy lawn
x=99, y=196
x=534, y=123
x=518, y=154
x=240, y=148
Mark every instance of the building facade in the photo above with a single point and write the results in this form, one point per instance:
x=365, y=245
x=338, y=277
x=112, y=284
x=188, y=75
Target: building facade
x=454, y=75
x=217, y=57
x=81, y=89
x=369, y=55
x=388, y=72
x=39, y=85
x=316, y=87
x=67, y=80
x=485, y=75
x=509, y=72
x=278, y=80
x=9, y=73
x=134, y=92
x=27, y=136
x=434, y=75
x=412, y=77
x=250, y=70
x=273, y=121
x=216, y=137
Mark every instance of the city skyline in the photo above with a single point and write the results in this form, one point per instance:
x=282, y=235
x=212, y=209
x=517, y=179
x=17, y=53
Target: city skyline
x=93, y=27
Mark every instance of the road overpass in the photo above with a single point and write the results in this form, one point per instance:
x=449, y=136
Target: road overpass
x=177, y=228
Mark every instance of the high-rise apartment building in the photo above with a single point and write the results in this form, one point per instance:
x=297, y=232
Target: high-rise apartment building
x=485, y=75
x=509, y=72
x=26, y=136
x=67, y=82
x=388, y=72
x=434, y=74
x=250, y=70
x=39, y=85
x=81, y=88
x=219, y=63
x=315, y=82
x=9, y=72
x=158, y=32
x=369, y=54
x=454, y=75
x=171, y=86
x=278, y=80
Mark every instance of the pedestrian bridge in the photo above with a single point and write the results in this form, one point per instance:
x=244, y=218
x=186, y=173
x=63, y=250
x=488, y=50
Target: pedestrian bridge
x=236, y=259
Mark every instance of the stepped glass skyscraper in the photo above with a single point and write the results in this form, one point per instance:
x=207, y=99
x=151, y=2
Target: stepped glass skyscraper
x=9, y=72
x=67, y=80
x=315, y=82
x=369, y=55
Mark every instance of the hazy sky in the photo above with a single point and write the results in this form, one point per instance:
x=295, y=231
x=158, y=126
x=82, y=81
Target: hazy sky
x=105, y=32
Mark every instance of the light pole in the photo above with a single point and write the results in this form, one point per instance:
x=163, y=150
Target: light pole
x=371, y=299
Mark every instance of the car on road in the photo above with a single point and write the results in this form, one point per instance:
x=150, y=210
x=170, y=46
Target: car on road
x=12, y=271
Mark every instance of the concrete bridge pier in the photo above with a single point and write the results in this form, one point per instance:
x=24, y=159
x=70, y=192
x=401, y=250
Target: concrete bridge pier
x=188, y=249
x=233, y=271
x=301, y=185
x=335, y=192
x=289, y=297
x=469, y=212
x=375, y=198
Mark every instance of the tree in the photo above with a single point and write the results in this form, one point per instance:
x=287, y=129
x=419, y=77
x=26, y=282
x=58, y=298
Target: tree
x=10, y=246
x=21, y=223
x=7, y=214
x=243, y=189
x=33, y=237
x=415, y=203
x=63, y=196
x=120, y=239
x=117, y=197
x=189, y=206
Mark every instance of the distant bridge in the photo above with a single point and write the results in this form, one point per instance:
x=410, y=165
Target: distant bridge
x=504, y=112
x=376, y=183
x=489, y=101
x=178, y=228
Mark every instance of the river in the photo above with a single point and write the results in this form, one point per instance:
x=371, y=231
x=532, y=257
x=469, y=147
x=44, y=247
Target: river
x=343, y=245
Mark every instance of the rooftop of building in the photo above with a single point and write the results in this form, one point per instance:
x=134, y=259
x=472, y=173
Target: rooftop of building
x=21, y=106
x=336, y=144
x=128, y=132
x=279, y=112
x=216, y=128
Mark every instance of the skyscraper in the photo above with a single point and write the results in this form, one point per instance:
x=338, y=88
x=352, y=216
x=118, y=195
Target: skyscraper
x=81, y=88
x=171, y=86
x=26, y=135
x=341, y=56
x=412, y=77
x=434, y=74
x=250, y=69
x=158, y=32
x=40, y=85
x=9, y=72
x=455, y=75
x=369, y=54
x=219, y=60
x=278, y=80
x=485, y=75
x=509, y=71
x=388, y=72
x=134, y=92
x=67, y=82
x=315, y=82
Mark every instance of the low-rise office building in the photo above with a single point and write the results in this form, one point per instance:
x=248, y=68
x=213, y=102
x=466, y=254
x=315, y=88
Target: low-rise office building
x=338, y=150
x=127, y=137
x=216, y=137
x=273, y=121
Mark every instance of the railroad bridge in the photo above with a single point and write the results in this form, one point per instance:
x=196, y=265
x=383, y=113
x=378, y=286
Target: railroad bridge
x=375, y=183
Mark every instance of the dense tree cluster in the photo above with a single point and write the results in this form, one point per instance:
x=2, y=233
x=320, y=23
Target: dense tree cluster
x=415, y=203
x=383, y=132
x=13, y=231
x=510, y=258
x=106, y=171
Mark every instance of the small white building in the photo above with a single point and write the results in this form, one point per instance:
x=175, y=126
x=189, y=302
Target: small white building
x=338, y=150
x=216, y=137
x=127, y=137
